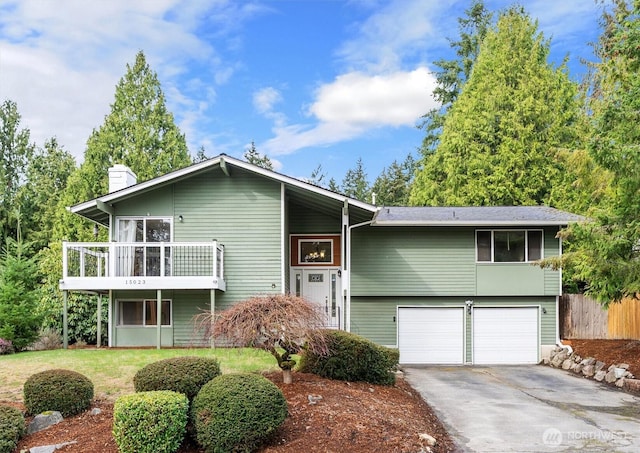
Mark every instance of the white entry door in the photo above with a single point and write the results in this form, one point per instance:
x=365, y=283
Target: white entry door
x=321, y=286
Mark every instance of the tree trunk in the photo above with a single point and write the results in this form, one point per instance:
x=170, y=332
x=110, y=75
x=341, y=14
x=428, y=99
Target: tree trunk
x=286, y=376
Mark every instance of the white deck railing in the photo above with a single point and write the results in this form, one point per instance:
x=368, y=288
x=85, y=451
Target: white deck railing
x=96, y=261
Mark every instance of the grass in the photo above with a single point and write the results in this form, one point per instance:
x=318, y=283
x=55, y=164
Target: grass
x=112, y=370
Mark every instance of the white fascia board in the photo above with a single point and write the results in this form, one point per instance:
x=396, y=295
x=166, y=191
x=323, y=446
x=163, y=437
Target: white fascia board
x=212, y=162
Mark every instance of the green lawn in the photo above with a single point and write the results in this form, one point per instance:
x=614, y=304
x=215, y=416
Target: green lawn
x=112, y=370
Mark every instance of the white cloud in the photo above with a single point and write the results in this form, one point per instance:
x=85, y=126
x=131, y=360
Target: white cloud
x=265, y=99
x=362, y=100
x=61, y=60
x=354, y=103
x=401, y=30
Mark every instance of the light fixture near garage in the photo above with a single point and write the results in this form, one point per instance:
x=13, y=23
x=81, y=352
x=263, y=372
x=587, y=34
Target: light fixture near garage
x=469, y=304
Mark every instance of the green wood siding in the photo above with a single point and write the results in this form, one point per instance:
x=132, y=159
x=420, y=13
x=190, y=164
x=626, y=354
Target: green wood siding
x=242, y=212
x=186, y=305
x=304, y=220
x=159, y=204
x=413, y=261
x=374, y=317
x=441, y=262
x=509, y=279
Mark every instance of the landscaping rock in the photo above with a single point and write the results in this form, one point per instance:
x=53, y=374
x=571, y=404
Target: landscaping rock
x=50, y=448
x=599, y=366
x=620, y=383
x=567, y=364
x=599, y=376
x=43, y=421
x=610, y=377
x=578, y=368
x=588, y=370
x=632, y=385
x=430, y=440
x=624, y=366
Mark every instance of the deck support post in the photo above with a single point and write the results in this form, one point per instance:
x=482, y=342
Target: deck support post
x=65, y=321
x=213, y=312
x=159, y=320
x=99, y=315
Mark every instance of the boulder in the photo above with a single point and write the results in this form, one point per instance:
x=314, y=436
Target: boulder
x=599, y=365
x=567, y=364
x=620, y=383
x=430, y=440
x=600, y=375
x=43, y=421
x=588, y=370
x=610, y=377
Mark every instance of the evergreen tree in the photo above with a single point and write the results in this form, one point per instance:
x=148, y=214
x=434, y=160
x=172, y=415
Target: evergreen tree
x=501, y=137
x=606, y=255
x=355, y=184
x=454, y=73
x=393, y=186
x=252, y=156
x=47, y=176
x=19, y=319
x=16, y=152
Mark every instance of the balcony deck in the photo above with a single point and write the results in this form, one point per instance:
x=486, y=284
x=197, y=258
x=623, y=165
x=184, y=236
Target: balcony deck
x=102, y=266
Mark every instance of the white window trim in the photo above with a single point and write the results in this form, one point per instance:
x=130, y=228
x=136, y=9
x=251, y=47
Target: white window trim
x=144, y=305
x=144, y=219
x=526, y=245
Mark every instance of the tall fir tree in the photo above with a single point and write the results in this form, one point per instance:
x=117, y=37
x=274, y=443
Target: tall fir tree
x=16, y=152
x=453, y=74
x=605, y=255
x=501, y=137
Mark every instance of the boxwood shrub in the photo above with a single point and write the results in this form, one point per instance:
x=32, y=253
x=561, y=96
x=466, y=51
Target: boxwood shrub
x=352, y=358
x=237, y=412
x=65, y=391
x=184, y=375
x=12, y=428
x=150, y=421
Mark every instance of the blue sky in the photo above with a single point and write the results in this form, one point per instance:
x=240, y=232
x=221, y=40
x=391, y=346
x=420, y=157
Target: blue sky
x=310, y=82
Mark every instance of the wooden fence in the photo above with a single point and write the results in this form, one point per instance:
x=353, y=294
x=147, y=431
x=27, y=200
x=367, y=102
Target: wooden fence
x=584, y=318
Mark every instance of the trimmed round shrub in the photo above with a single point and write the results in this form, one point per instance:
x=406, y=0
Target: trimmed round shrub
x=65, y=391
x=352, y=358
x=149, y=422
x=180, y=374
x=237, y=412
x=12, y=428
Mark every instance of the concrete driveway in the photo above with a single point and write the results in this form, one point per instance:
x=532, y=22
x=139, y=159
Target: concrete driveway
x=529, y=408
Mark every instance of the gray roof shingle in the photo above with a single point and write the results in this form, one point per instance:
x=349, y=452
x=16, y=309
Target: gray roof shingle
x=474, y=216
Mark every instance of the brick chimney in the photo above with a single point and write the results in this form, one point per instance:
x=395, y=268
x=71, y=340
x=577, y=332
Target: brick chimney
x=121, y=177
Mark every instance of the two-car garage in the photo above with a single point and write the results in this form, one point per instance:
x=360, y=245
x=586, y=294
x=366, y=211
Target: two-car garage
x=438, y=335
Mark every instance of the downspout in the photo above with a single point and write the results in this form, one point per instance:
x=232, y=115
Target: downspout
x=347, y=308
x=558, y=340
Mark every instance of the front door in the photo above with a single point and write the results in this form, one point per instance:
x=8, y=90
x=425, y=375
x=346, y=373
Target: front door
x=321, y=286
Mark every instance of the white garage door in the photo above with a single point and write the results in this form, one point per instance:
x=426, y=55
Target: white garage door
x=431, y=335
x=505, y=335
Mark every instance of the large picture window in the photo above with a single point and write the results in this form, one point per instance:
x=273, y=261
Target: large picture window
x=508, y=246
x=143, y=313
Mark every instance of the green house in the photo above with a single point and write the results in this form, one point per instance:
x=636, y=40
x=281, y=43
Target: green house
x=444, y=285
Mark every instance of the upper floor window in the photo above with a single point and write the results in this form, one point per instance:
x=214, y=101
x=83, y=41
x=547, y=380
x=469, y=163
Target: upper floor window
x=146, y=259
x=508, y=246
